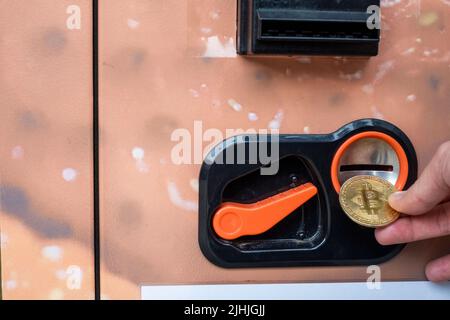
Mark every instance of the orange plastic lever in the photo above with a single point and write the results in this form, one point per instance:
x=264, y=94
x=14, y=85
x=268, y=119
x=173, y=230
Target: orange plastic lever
x=234, y=220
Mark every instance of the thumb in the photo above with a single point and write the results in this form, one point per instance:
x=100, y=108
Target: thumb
x=430, y=189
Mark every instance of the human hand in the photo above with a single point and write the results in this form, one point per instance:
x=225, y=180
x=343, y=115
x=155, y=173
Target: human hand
x=426, y=206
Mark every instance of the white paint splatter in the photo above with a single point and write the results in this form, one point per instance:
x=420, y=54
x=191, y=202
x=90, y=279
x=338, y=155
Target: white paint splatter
x=252, y=116
x=427, y=19
x=133, y=24
x=74, y=277
x=17, y=153
x=206, y=30
x=194, y=93
x=3, y=239
x=368, y=88
x=52, y=253
x=235, y=105
x=409, y=51
x=383, y=69
x=376, y=113
x=56, y=294
x=216, y=49
x=138, y=153
x=214, y=14
x=69, y=174
x=275, y=123
x=430, y=52
x=10, y=284
x=351, y=76
x=411, y=98
x=194, y=184
x=389, y=3
x=178, y=201
x=443, y=58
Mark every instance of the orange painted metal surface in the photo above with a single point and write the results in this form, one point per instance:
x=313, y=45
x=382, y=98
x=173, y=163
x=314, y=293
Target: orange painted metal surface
x=163, y=65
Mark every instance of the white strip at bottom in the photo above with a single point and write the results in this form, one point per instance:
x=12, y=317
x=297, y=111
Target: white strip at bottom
x=408, y=290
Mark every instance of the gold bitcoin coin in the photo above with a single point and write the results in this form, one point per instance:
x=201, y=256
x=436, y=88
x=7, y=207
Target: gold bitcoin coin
x=365, y=200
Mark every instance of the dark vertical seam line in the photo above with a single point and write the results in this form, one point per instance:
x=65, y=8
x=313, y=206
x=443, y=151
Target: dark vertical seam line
x=96, y=158
x=1, y=282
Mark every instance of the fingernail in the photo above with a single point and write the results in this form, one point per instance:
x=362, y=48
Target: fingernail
x=396, y=197
x=432, y=273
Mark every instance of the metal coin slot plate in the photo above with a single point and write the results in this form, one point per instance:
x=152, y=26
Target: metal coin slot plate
x=370, y=157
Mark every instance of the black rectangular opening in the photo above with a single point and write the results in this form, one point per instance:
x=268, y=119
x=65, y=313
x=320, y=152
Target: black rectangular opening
x=301, y=25
x=366, y=167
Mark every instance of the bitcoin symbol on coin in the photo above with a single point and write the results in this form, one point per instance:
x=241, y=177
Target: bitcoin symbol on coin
x=365, y=200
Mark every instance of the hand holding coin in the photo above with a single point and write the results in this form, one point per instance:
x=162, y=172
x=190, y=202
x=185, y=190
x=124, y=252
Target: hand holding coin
x=426, y=209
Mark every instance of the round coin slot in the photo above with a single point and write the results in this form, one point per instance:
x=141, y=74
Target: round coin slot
x=370, y=154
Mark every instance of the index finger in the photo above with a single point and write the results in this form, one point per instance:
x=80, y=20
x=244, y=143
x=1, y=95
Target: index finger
x=408, y=229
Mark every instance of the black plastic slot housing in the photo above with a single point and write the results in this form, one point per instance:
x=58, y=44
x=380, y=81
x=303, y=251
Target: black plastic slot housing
x=320, y=27
x=318, y=233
